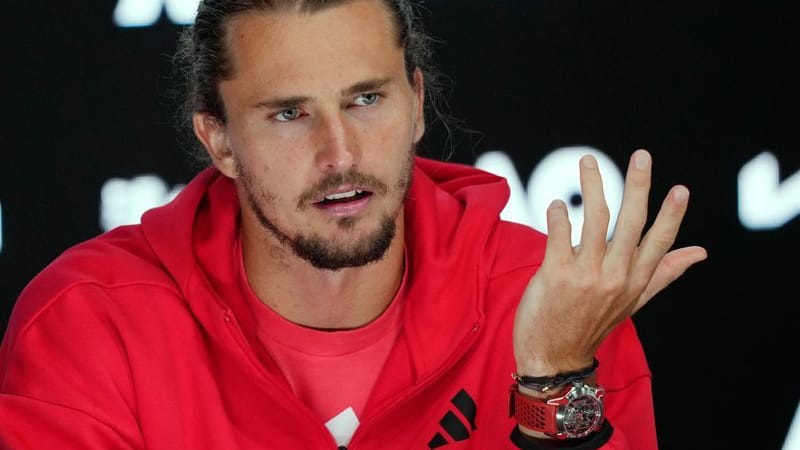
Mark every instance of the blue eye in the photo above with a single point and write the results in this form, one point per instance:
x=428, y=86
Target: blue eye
x=367, y=99
x=288, y=115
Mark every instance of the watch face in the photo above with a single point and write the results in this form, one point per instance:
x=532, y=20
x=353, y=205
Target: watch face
x=581, y=416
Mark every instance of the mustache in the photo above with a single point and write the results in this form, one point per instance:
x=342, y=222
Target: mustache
x=334, y=180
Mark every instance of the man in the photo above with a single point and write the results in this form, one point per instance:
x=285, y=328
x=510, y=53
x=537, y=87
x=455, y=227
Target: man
x=322, y=287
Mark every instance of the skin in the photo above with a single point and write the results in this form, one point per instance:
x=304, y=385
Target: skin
x=574, y=300
x=581, y=293
x=320, y=70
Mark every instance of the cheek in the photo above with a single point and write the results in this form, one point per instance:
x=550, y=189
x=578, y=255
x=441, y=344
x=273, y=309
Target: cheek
x=273, y=153
x=258, y=133
x=397, y=133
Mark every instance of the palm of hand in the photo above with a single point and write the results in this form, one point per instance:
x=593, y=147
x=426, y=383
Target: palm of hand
x=581, y=293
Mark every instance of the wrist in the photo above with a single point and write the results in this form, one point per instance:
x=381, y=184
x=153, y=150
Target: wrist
x=550, y=393
x=538, y=367
x=546, y=384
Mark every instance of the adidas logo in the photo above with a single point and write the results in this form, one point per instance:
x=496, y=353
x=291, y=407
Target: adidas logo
x=456, y=428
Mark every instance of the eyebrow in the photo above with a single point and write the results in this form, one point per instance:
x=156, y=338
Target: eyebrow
x=297, y=100
x=283, y=103
x=367, y=85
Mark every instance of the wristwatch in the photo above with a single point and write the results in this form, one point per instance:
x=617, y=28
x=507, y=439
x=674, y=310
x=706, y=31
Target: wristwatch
x=575, y=414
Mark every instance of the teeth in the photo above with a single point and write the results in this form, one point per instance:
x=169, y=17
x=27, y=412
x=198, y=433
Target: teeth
x=343, y=195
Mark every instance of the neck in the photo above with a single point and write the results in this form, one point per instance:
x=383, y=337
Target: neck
x=318, y=298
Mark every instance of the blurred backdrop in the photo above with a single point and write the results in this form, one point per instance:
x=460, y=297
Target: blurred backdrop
x=710, y=88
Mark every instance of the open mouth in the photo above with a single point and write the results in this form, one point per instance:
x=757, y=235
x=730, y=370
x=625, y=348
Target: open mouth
x=343, y=197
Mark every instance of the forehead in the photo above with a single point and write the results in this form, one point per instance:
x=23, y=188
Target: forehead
x=285, y=49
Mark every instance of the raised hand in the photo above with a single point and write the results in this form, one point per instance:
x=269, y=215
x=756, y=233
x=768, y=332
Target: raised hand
x=581, y=293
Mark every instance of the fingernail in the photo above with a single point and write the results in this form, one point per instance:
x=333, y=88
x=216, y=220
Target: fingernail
x=681, y=194
x=641, y=159
x=558, y=204
x=589, y=162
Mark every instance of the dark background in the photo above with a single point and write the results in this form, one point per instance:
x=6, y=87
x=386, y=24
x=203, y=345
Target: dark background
x=705, y=86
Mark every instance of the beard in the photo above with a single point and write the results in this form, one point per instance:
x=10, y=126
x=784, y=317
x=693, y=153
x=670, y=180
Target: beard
x=324, y=253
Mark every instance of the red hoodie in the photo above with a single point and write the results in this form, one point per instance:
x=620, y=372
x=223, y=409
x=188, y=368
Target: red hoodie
x=139, y=338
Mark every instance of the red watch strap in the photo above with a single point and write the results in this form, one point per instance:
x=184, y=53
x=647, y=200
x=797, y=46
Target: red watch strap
x=532, y=413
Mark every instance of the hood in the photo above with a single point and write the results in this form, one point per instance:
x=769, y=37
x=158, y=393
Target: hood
x=450, y=215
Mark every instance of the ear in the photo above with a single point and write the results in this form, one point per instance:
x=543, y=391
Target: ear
x=419, y=105
x=211, y=134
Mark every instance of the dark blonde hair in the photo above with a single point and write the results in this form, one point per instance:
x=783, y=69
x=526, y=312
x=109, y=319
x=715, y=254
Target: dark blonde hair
x=202, y=60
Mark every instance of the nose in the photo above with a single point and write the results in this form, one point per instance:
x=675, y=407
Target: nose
x=336, y=143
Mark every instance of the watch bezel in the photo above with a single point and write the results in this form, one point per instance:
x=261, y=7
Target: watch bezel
x=579, y=395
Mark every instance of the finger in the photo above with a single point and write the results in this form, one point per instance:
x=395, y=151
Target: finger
x=633, y=212
x=595, y=210
x=661, y=235
x=559, y=233
x=669, y=269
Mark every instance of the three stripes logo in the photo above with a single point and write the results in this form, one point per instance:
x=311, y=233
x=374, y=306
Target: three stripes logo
x=456, y=428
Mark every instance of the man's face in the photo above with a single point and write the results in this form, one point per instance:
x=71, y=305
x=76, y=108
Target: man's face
x=321, y=125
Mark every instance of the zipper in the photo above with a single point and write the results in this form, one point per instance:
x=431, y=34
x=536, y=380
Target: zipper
x=237, y=335
x=403, y=397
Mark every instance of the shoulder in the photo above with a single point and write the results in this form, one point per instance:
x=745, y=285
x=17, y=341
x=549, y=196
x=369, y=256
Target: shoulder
x=119, y=257
x=516, y=248
x=111, y=267
x=514, y=252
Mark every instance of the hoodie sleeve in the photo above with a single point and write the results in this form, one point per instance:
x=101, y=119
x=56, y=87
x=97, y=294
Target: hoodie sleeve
x=628, y=403
x=28, y=423
x=636, y=430
x=623, y=372
x=64, y=379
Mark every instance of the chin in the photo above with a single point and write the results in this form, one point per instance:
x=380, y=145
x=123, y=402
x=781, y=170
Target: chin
x=353, y=252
